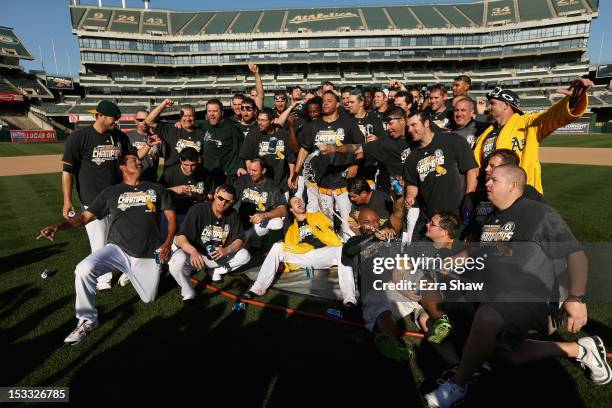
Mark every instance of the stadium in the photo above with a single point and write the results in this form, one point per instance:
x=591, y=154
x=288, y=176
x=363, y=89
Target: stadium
x=284, y=348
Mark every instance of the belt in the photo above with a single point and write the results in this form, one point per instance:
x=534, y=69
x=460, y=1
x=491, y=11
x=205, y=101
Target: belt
x=328, y=191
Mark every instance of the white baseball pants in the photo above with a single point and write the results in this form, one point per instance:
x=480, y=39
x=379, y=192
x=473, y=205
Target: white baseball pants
x=321, y=258
x=97, y=232
x=180, y=267
x=143, y=273
x=256, y=229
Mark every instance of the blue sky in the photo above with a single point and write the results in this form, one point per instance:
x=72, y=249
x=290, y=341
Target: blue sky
x=37, y=22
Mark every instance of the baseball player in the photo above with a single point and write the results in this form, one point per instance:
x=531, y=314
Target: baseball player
x=132, y=209
x=90, y=157
x=310, y=242
x=211, y=236
x=261, y=204
x=138, y=137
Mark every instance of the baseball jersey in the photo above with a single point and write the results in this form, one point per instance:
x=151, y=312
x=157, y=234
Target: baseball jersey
x=134, y=213
x=175, y=140
x=343, y=130
x=254, y=197
x=277, y=159
x=200, y=182
x=307, y=236
x=150, y=162
x=437, y=170
x=92, y=157
x=379, y=201
x=202, y=227
x=537, y=235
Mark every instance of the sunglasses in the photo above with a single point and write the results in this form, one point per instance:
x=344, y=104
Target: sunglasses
x=224, y=200
x=280, y=98
x=140, y=120
x=499, y=92
x=246, y=108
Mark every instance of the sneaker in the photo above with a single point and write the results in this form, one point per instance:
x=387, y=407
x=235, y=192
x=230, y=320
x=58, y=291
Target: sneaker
x=442, y=327
x=102, y=286
x=392, y=348
x=81, y=331
x=124, y=279
x=594, y=358
x=217, y=277
x=189, y=297
x=350, y=305
x=248, y=295
x=447, y=394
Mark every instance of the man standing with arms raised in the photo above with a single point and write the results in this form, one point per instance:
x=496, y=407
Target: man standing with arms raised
x=139, y=137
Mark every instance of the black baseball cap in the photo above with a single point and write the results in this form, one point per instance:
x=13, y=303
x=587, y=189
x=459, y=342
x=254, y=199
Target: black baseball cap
x=506, y=95
x=107, y=108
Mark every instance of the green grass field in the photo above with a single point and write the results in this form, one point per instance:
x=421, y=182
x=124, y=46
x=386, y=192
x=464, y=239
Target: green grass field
x=30, y=149
x=164, y=352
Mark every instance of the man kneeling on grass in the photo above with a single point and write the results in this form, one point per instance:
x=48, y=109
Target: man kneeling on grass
x=310, y=242
x=133, y=244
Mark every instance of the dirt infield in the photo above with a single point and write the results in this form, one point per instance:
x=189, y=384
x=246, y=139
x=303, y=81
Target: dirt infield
x=20, y=165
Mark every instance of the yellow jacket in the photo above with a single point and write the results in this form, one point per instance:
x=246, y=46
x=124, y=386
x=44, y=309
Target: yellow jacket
x=523, y=134
x=321, y=228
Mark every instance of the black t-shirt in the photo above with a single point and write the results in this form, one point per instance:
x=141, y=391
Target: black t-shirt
x=254, y=197
x=344, y=130
x=524, y=268
x=134, y=216
x=490, y=143
x=150, y=162
x=247, y=130
x=443, y=120
x=379, y=201
x=175, y=140
x=389, y=152
x=93, y=158
x=221, y=147
x=483, y=207
x=437, y=170
x=201, y=227
x=277, y=160
x=200, y=182
x=306, y=235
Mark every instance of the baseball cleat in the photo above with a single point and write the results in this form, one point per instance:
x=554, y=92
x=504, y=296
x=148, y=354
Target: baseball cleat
x=80, y=332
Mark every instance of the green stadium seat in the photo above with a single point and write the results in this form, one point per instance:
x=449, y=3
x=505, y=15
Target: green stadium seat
x=534, y=10
x=179, y=20
x=402, y=17
x=271, y=22
x=322, y=19
x=154, y=22
x=76, y=13
x=126, y=21
x=245, y=23
x=568, y=7
x=474, y=12
x=219, y=23
x=454, y=16
x=429, y=17
x=375, y=18
x=194, y=26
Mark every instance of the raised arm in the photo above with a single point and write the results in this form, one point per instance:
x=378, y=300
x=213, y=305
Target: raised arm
x=259, y=100
x=153, y=116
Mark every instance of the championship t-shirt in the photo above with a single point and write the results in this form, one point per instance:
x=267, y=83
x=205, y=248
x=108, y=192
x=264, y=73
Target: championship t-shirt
x=370, y=124
x=379, y=201
x=342, y=131
x=254, y=197
x=523, y=268
x=277, y=157
x=175, y=140
x=390, y=153
x=93, y=158
x=483, y=207
x=134, y=213
x=471, y=131
x=247, y=130
x=200, y=182
x=150, y=162
x=307, y=236
x=443, y=119
x=437, y=170
x=490, y=143
x=201, y=227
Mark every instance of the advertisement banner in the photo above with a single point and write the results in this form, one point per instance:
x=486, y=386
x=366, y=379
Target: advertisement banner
x=33, y=136
x=578, y=127
x=10, y=97
x=75, y=118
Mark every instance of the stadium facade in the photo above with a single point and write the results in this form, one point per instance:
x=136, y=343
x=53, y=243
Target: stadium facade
x=139, y=56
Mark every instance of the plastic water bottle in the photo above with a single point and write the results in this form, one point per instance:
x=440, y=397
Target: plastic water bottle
x=71, y=214
x=272, y=144
x=264, y=223
x=46, y=273
x=309, y=272
x=239, y=306
x=465, y=216
x=345, y=173
x=334, y=313
x=397, y=186
x=209, y=250
x=369, y=131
